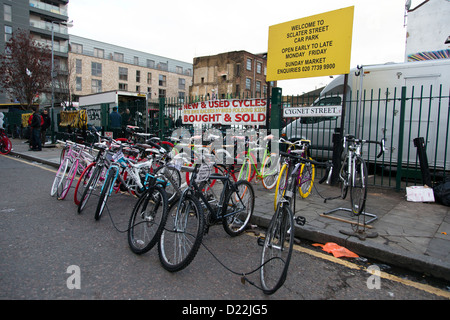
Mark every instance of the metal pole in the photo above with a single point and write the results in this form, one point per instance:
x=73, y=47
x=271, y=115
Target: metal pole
x=53, y=91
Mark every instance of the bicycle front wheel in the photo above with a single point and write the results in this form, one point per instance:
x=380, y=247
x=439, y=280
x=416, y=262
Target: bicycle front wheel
x=5, y=145
x=281, y=185
x=105, y=193
x=238, y=208
x=358, y=186
x=173, y=181
x=182, y=235
x=82, y=182
x=270, y=170
x=306, y=180
x=277, y=249
x=90, y=187
x=68, y=179
x=147, y=220
x=60, y=174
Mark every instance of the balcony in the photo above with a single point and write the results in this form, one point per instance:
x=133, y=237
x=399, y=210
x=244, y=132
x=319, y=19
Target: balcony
x=48, y=26
x=49, y=8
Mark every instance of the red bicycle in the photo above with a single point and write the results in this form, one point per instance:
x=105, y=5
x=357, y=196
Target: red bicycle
x=5, y=143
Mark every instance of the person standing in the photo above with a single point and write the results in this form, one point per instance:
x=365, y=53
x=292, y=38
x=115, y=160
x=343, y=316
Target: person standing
x=115, y=119
x=45, y=126
x=35, y=122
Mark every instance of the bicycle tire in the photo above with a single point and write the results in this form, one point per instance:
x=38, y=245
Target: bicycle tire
x=82, y=181
x=245, y=171
x=358, y=186
x=277, y=249
x=91, y=185
x=182, y=234
x=105, y=193
x=236, y=221
x=306, y=179
x=270, y=175
x=68, y=179
x=173, y=178
x=59, y=176
x=281, y=185
x=5, y=145
x=147, y=220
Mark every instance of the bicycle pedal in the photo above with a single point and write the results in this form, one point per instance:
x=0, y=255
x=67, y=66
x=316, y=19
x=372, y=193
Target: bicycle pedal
x=300, y=220
x=260, y=241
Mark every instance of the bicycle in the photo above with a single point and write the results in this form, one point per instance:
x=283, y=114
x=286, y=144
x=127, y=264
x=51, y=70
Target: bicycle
x=353, y=172
x=5, y=143
x=75, y=158
x=133, y=175
x=279, y=238
x=187, y=223
x=306, y=173
x=269, y=169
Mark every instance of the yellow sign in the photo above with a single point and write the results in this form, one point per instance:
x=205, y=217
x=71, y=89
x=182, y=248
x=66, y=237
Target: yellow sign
x=315, y=46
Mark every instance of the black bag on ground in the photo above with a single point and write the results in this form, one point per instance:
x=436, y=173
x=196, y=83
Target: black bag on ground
x=442, y=192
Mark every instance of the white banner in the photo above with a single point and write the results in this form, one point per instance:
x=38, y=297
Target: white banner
x=226, y=112
x=322, y=111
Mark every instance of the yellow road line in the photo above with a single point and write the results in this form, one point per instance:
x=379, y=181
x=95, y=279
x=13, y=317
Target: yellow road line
x=384, y=275
x=30, y=163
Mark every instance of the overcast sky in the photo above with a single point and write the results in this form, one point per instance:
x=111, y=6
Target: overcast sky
x=182, y=30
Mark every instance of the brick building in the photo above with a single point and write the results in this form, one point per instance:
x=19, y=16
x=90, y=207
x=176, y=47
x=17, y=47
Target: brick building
x=229, y=75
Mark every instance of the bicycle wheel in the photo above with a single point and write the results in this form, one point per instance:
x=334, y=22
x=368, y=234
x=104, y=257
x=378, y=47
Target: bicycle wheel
x=281, y=185
x=90, y=187
x=106, y=192
x=343, y=178
x=82, y=182
x=5, y=145
x=238, y=208
x=173, y=181
x=358, y=186
x=68, y=179
x=277, y=249
x=306, y=181
x=182, y=235
x=60, y=174
x=147, y=220
x=270, y=170
x=246, y=170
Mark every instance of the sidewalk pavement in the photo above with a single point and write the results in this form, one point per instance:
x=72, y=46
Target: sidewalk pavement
x=412, y=235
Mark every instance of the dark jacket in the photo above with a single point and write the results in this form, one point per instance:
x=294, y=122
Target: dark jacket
x=36, y=121
x=47, y=121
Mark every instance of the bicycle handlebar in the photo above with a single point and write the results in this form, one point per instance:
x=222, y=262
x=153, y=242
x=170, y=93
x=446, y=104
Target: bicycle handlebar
x=327, y=164
x=353, y=139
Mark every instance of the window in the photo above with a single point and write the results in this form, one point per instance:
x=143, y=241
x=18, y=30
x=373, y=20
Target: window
x=136, y=60
x=238, y=70
x=7, y=12
x=78, y=66
x=179, y=70
x=138, y=88
x=78, y=86
x=123, y=86
x=8, y=33
x=96, y=86
x=162, y=80
x=149, y=92
x=149, y=78
x=118, y=56
x=96, y=69
x=99, y=53
x=77, y=48
x=249, y=64
x=248, y=83
x=150, y=63
x=138, y=76
x=258, y=67
x=258, y=86
x=123, y=74
x=163, y=66
x=181, y=96
x=182, y=84
x=162, y=93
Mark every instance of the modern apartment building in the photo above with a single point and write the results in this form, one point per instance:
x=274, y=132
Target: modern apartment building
x=230, y=74
x=96, y=66
x=40, y=17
